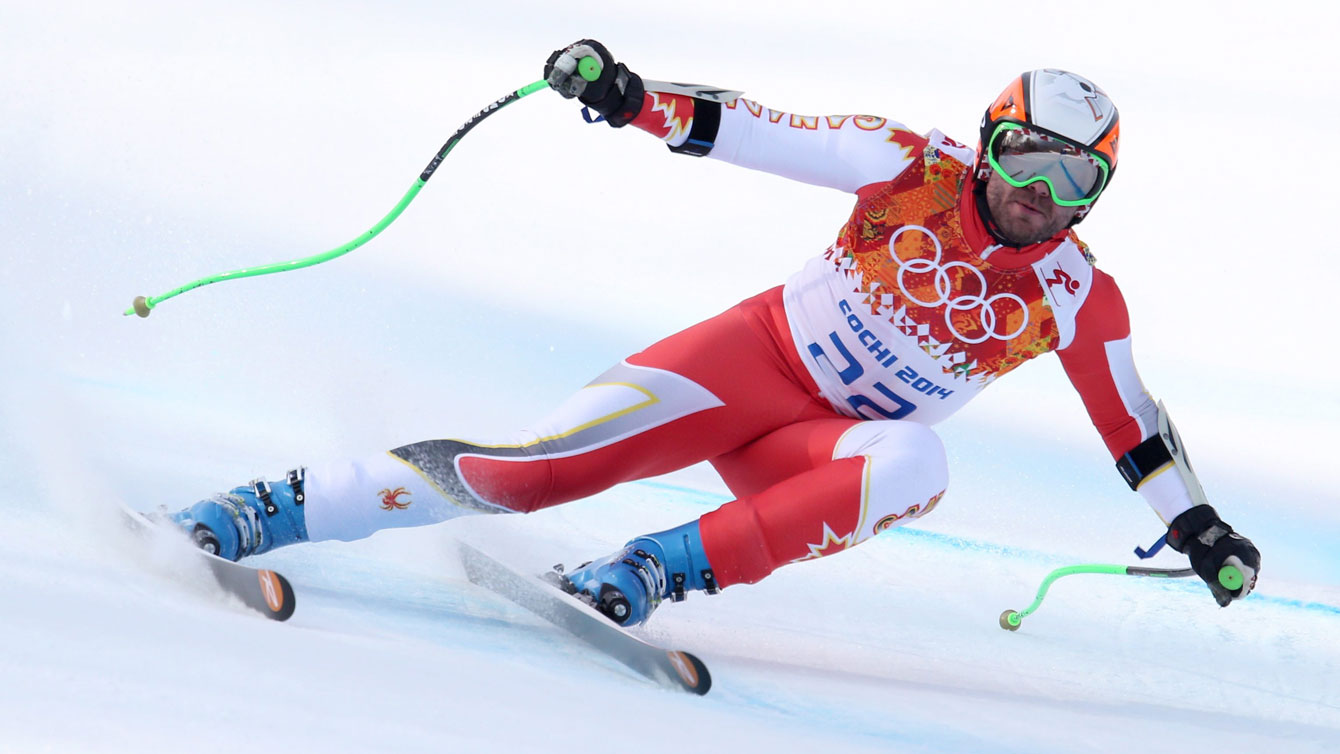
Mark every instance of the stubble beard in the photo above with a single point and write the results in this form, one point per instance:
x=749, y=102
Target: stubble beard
x=1020, y=225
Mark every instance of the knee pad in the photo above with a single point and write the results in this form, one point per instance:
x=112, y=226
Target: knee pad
x=906, y=471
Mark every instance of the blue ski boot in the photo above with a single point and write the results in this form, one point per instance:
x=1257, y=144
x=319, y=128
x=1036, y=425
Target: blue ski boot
x=628, y=585
x=250, y=520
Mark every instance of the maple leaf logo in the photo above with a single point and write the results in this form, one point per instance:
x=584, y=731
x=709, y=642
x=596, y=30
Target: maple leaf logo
x=830, y=544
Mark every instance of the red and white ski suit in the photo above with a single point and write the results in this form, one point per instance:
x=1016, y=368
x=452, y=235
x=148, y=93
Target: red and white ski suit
x=813, y=400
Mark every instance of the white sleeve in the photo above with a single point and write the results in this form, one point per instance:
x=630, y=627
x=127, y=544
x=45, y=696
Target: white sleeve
x=844, y=152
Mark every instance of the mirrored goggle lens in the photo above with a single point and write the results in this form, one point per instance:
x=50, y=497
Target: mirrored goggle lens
x=1023, y=157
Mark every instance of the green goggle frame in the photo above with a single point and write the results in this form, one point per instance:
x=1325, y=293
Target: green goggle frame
x=1084, y=198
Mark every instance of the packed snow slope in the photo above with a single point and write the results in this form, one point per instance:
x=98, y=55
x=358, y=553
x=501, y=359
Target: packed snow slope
x=146, y=144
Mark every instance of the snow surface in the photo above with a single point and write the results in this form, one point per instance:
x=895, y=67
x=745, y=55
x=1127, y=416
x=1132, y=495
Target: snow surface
x=146, y=144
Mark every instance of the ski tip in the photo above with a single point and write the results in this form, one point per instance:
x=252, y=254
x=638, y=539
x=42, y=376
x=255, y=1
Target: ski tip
x=278, y=595
x=692, y=672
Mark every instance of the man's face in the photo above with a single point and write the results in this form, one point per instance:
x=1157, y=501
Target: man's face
x=1025, y=215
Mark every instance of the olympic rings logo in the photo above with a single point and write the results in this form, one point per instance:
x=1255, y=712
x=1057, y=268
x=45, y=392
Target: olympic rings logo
x=944, y=288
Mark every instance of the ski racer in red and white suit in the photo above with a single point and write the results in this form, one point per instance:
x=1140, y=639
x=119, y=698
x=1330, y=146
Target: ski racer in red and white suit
x=813, y=400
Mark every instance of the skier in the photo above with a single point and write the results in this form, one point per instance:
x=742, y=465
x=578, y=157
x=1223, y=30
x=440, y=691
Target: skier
x=813, y=400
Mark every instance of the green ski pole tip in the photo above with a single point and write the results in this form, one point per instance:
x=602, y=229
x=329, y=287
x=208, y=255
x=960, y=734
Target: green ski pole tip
x=1010, y=620
x=141, y=306
x=1230, y=577
x=589, y=68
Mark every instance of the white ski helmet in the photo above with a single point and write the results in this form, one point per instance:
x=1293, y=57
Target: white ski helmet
x=1061, y=107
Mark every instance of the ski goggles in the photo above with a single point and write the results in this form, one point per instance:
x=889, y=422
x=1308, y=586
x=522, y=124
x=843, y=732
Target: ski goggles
x=1023, y=156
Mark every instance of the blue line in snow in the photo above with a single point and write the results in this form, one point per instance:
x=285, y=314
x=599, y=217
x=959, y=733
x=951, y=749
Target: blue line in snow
x=703, y=497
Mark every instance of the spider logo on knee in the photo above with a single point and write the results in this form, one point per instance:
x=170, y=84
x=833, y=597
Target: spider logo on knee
x=391, y=499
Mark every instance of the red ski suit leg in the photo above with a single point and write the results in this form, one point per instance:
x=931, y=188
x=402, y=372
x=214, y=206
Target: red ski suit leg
x=729, y=390
x=693, y=396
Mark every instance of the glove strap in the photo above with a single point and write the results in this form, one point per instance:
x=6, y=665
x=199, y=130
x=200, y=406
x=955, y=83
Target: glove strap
x=1200, y=523
x=626, y=102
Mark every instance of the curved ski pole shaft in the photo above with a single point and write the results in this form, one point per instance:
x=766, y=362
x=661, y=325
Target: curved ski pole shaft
x=143, y=305
x=1011, y=619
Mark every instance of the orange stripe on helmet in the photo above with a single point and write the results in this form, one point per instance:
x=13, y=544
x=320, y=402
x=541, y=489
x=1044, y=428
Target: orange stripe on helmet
x=1107, y=146
x=1010, y=103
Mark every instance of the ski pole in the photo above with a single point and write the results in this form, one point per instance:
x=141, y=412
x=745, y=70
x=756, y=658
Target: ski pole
x=143, y=305
x=1229, y=577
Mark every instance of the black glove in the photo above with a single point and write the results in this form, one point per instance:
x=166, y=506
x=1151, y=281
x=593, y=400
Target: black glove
x=616, y=94
x=1212, y=544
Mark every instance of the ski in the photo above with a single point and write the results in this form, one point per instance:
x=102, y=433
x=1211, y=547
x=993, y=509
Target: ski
x=675, y=670
x=260, y=589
